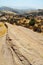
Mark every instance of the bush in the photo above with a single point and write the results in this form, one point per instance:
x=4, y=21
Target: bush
x=32, y=22
x=35, y=28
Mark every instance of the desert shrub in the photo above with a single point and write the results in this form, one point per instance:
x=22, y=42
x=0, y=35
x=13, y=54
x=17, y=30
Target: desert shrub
x=32, y=22
x=35, y=28
x=11, y=21
x=42, y=28
x=39, y=30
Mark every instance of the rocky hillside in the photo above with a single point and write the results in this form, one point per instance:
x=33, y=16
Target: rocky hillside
x=21, y=46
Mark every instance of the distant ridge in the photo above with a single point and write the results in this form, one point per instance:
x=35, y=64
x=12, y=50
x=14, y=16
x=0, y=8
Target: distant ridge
x=8, y=9
x=22, y=11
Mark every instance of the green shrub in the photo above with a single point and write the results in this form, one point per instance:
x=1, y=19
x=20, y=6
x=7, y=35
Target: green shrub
x=32, y=22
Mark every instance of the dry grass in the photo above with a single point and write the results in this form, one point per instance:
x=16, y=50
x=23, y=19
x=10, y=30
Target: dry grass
x=2, y=29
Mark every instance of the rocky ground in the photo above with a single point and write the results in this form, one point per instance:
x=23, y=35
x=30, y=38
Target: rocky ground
x=21, y=46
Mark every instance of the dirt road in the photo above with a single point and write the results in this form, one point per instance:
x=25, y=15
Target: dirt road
x=22, y=46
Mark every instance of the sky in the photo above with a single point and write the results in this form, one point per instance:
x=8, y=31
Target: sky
x=20, y=4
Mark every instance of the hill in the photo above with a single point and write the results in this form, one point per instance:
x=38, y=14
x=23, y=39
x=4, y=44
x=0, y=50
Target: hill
x=28, y=11
x=7, y=9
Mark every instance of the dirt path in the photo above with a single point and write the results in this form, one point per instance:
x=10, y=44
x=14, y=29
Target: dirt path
x=22, y=46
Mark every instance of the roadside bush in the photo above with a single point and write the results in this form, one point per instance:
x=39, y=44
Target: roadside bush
x=37, y=28
x=32, y=22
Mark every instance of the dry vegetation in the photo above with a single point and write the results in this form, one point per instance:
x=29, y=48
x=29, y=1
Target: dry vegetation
x=3, y=29
x=31, y=22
